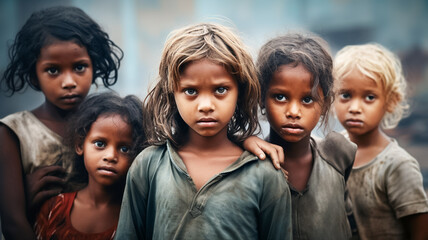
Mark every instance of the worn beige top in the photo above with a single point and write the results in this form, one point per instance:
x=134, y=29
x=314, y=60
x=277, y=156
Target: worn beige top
x=39, y=145
x=385, y=190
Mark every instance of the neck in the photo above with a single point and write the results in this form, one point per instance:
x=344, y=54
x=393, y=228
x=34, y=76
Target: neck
x=50, y=112
x=98, y=195
x=220, y=141
x=294, y=151
x=370, y=139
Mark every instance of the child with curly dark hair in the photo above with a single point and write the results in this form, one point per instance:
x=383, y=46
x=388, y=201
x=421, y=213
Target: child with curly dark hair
x=107, y=133
x=59, y=51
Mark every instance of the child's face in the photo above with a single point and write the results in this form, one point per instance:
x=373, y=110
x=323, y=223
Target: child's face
x=290, y=107
x=64, y=73
x=106, y=150
x=360, y=103
x=206, y=97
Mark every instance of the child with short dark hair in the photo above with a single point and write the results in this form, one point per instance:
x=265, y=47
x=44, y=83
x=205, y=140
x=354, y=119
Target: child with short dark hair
x=197, y=183
x=385, y=185
x=107, y=133
x=295, y=74
x=59, y=51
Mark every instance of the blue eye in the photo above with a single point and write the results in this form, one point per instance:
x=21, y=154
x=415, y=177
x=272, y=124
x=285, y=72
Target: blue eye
x=80, y=68
x=124, y=149
x=52, y=71
x=307, y=100
x=99, y=144
x=221, y=90
x=280, y=97
x=190, y=92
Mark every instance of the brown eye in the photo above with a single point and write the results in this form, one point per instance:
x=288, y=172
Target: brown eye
x=80, y=68
x=52, y=71
x=280, y=98
x=99, y=144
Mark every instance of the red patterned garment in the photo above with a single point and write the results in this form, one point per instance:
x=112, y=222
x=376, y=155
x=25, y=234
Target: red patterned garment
x=53, y=221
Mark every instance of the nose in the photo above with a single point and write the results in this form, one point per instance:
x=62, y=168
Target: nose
x=205, y=104
x=68, y=81
x=110, y=154
x=293, y=110
x=355, y=106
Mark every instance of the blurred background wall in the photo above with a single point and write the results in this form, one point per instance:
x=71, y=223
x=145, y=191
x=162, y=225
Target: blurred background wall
x=140, y=28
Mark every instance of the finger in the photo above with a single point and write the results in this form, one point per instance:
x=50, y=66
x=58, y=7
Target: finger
x=42, y=196
x=273, y=154
x=281, y=155
x=260, y=154
x=53, y=170
x=285, y=172
x=52, y=180
x=47, y=170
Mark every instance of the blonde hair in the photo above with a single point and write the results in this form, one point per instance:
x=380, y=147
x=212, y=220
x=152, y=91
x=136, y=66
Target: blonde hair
x=220, y=45
x=382, y=66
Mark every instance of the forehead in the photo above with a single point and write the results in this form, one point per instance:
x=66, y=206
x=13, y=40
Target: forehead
x=59, y=49
x=204, y=71
x=355, y=79
x=290, y=76
x=112, y=125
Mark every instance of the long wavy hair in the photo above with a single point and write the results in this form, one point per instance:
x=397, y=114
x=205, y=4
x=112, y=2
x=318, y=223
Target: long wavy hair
x=220, y=45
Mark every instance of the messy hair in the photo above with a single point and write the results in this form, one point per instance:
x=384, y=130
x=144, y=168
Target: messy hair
x=46, y=26
x=129, y=108
x=215, y=43
x=293, y=49
x=382, y=66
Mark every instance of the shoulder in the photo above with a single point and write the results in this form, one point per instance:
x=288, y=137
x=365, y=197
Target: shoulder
x=336, y=150
x=150, y=153
x=148, y=159
x=16, y=117
x=265, y=171
x=20, y=122
x=396, y=157
x=57, y=205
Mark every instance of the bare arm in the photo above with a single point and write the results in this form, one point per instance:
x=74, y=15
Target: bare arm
x=416, y=226
x=14, y=220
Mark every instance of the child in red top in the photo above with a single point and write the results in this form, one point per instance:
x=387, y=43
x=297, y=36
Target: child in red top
x=107, y=133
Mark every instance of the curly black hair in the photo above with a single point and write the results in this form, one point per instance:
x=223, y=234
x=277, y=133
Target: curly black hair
x=63, y=23
x=130, y=108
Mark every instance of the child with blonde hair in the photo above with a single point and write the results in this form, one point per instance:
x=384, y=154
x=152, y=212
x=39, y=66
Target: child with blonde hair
x=197, y=183
x=385, y=185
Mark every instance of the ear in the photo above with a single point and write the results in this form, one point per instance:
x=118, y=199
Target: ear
x=394, y=99
x=35, y=82
x=78, y=149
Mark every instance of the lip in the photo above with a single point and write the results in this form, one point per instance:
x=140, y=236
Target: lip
x=292, y=128
x=353, y=122
x=71, y=98
x=107, y=170
x=207, y=122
